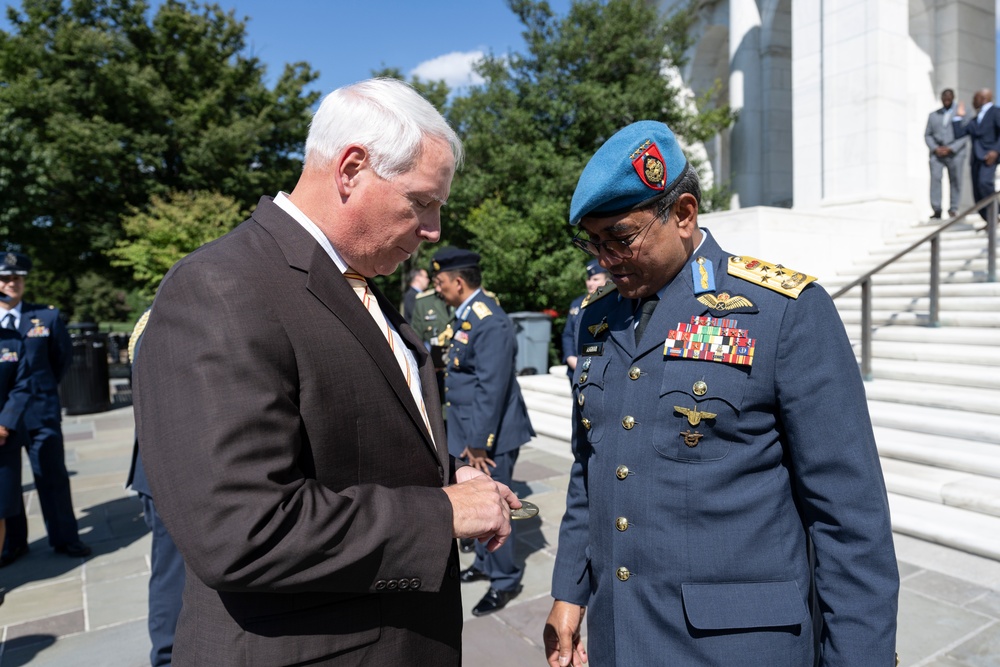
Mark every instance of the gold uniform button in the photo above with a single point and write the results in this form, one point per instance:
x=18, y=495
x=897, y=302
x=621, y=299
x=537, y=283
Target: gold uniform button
x=621, y=472
x=621, y=523
x=447, y=404
x=634, y=373
x=583, y=378
x=580, y=399
x=700, y=388
x=586, y=423
x=623, y=574
x=628, y=422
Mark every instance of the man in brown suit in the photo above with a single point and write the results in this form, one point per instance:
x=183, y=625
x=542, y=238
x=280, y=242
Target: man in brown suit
x=289, y=420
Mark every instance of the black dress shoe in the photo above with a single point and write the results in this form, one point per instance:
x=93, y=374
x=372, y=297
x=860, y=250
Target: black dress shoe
x=472, y=574
x=494, y=600
x=13, y=554
x=467, y=545
x=936, y=216
x=73, y=549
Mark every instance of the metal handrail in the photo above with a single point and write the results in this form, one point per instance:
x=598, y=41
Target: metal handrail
x=865, y=281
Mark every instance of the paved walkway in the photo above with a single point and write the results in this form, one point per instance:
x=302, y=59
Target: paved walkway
x=65, y=612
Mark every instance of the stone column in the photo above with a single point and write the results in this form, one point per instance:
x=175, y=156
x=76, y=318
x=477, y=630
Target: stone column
x=746, y=144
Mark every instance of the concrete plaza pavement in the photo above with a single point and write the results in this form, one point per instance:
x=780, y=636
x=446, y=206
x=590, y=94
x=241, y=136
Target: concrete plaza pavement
x=65, y=612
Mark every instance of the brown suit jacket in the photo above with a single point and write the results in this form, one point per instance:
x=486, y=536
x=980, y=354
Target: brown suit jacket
x=291, y=464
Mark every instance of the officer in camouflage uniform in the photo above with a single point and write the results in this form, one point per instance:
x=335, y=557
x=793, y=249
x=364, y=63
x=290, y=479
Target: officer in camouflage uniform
x=726, y=505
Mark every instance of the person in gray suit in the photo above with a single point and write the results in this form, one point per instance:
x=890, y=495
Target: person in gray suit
x=726, y=505
x=288, y=418
x=946, y=152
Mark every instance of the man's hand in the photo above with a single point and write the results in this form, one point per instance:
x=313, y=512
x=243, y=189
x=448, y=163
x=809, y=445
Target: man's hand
x=961, y=108
x=942, y=151
x=571, y=362
x=480, y=507
x=4, y=434
x=991, y=158
x=479, y=459
x=562, y=635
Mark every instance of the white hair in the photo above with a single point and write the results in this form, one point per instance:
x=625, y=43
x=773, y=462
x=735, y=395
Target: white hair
x=386, y=116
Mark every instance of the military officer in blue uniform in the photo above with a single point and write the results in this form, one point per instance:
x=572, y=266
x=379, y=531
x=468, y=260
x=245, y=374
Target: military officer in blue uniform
x=15, y=391
x=166, y=576
x=49, y=351
x=597, y=276
x=726, y=485
x=487, y=418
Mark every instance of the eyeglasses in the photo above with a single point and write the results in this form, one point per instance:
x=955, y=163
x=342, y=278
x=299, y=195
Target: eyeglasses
x=620, y=248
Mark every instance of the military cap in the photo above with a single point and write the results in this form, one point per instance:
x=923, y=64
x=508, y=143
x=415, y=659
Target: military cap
x=449, y=259
x=639, y=164
x=594, y=267
x=15, y=263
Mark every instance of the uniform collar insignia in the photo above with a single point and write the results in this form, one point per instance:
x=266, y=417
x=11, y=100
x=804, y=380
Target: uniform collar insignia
x=597, y=330
x=703, y=275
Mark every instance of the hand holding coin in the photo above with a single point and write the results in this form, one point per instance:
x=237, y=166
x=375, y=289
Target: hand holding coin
x=525, y=511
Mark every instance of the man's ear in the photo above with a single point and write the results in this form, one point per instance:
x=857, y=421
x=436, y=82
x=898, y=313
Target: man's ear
x=353, y=161
x=686, y=210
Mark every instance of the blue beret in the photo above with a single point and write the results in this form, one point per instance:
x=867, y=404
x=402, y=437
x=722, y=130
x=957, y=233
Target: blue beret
x=449, y=259
x=15, y=263
x=638, y=165
x=594, y=267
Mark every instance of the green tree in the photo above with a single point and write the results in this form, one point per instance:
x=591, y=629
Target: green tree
x=530, y=129
x=102, y=107
x=169, y=228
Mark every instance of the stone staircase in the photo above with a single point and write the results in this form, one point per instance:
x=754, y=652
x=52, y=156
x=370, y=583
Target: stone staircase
x=934, y=397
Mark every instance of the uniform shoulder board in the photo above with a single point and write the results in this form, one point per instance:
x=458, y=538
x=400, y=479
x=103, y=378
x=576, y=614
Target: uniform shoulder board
x=140, y=326
x=481, y=310
x=426, y=292
x=51, y=307
x=772, y=276
x=492, y=295
x=599, y=293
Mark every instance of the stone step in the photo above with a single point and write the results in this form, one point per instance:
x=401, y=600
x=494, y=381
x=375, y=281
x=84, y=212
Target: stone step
x=905, y=265
x=953, y=527
x=977, y=427
x=953, y=488
x=550, y=425
x=921, y=304
x=961, y=375
x=948, y=397
x=945, y=318
x=978, y=290
x=834, y=282
x=949, y=353
x=951, y=248
x=947, y=335
x=940, y=451
x=549, y=403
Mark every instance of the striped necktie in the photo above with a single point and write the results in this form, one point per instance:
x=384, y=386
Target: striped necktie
x=407, y=364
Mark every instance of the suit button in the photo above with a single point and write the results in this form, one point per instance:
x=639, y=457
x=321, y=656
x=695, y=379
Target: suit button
x=453, y=572
x=447, y=404
x=623, y=574
x=446, y=389
x=628, y=422
x=404, y=584
x=621, y=472
x=586, y=423
x=392, y=585
x=621, y=523
x=414, y=583
x=380, y=585
x=634, y=373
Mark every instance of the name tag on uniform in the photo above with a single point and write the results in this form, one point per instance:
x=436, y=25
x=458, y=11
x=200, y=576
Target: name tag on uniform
x=592, y=350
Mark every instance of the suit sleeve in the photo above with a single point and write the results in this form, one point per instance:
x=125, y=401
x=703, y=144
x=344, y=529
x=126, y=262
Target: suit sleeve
x=20, y=394
x=961, y=127
x=929, y=133
x=223, y=446
x=838, y=482
x=493, y=372
x=995, y=121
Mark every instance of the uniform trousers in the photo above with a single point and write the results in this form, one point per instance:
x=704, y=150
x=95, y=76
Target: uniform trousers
x=166, y=586
x=501, y=565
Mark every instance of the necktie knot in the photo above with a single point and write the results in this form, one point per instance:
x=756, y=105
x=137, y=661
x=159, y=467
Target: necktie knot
x=8, y=321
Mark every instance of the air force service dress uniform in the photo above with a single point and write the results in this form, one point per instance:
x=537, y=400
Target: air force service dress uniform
x=709, y=457
x=15, y=391
x=486, y=409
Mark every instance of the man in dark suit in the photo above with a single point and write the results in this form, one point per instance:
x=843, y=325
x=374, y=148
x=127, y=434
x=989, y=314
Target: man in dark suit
x=946, y=152
x=166, y=566
x=288, y=420
x=726, y=484
x=50, y=352
x=419, y=280
x=487, y=418
x=984, y=128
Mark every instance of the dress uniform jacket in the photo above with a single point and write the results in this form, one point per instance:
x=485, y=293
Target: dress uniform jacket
x=485, y=407
x=50, y=353
x=569, y=331
x=688, y=537
x=15, y=391
x=291, y=464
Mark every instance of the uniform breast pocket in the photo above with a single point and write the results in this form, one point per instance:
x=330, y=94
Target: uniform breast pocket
x=700, y=406
x=589, y=394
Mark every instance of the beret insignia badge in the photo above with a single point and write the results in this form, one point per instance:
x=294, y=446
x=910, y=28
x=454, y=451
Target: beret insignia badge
x=648, y=163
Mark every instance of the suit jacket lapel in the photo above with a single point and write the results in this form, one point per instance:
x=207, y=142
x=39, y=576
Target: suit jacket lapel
x=327, y=283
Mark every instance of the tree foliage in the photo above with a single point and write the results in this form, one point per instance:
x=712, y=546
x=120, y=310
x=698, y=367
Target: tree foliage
x=102, y=108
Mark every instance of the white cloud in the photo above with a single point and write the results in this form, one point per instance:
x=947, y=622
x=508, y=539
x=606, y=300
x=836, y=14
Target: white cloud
x=455, y=68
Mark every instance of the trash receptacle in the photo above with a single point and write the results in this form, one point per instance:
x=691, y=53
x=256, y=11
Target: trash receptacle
x=85, y=388
x=533, y=332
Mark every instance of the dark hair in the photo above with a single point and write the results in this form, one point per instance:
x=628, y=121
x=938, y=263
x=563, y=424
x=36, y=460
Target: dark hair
x=688, y=184
x=948, y=90
x=472, y=276
x=414, y=273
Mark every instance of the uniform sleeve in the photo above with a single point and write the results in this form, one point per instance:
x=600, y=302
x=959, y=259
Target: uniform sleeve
x=223, y=442
x=571, y=573
x=20, y=394
x=838, y=482
x=494, y=369
x=60, y=348
x=569, y=331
